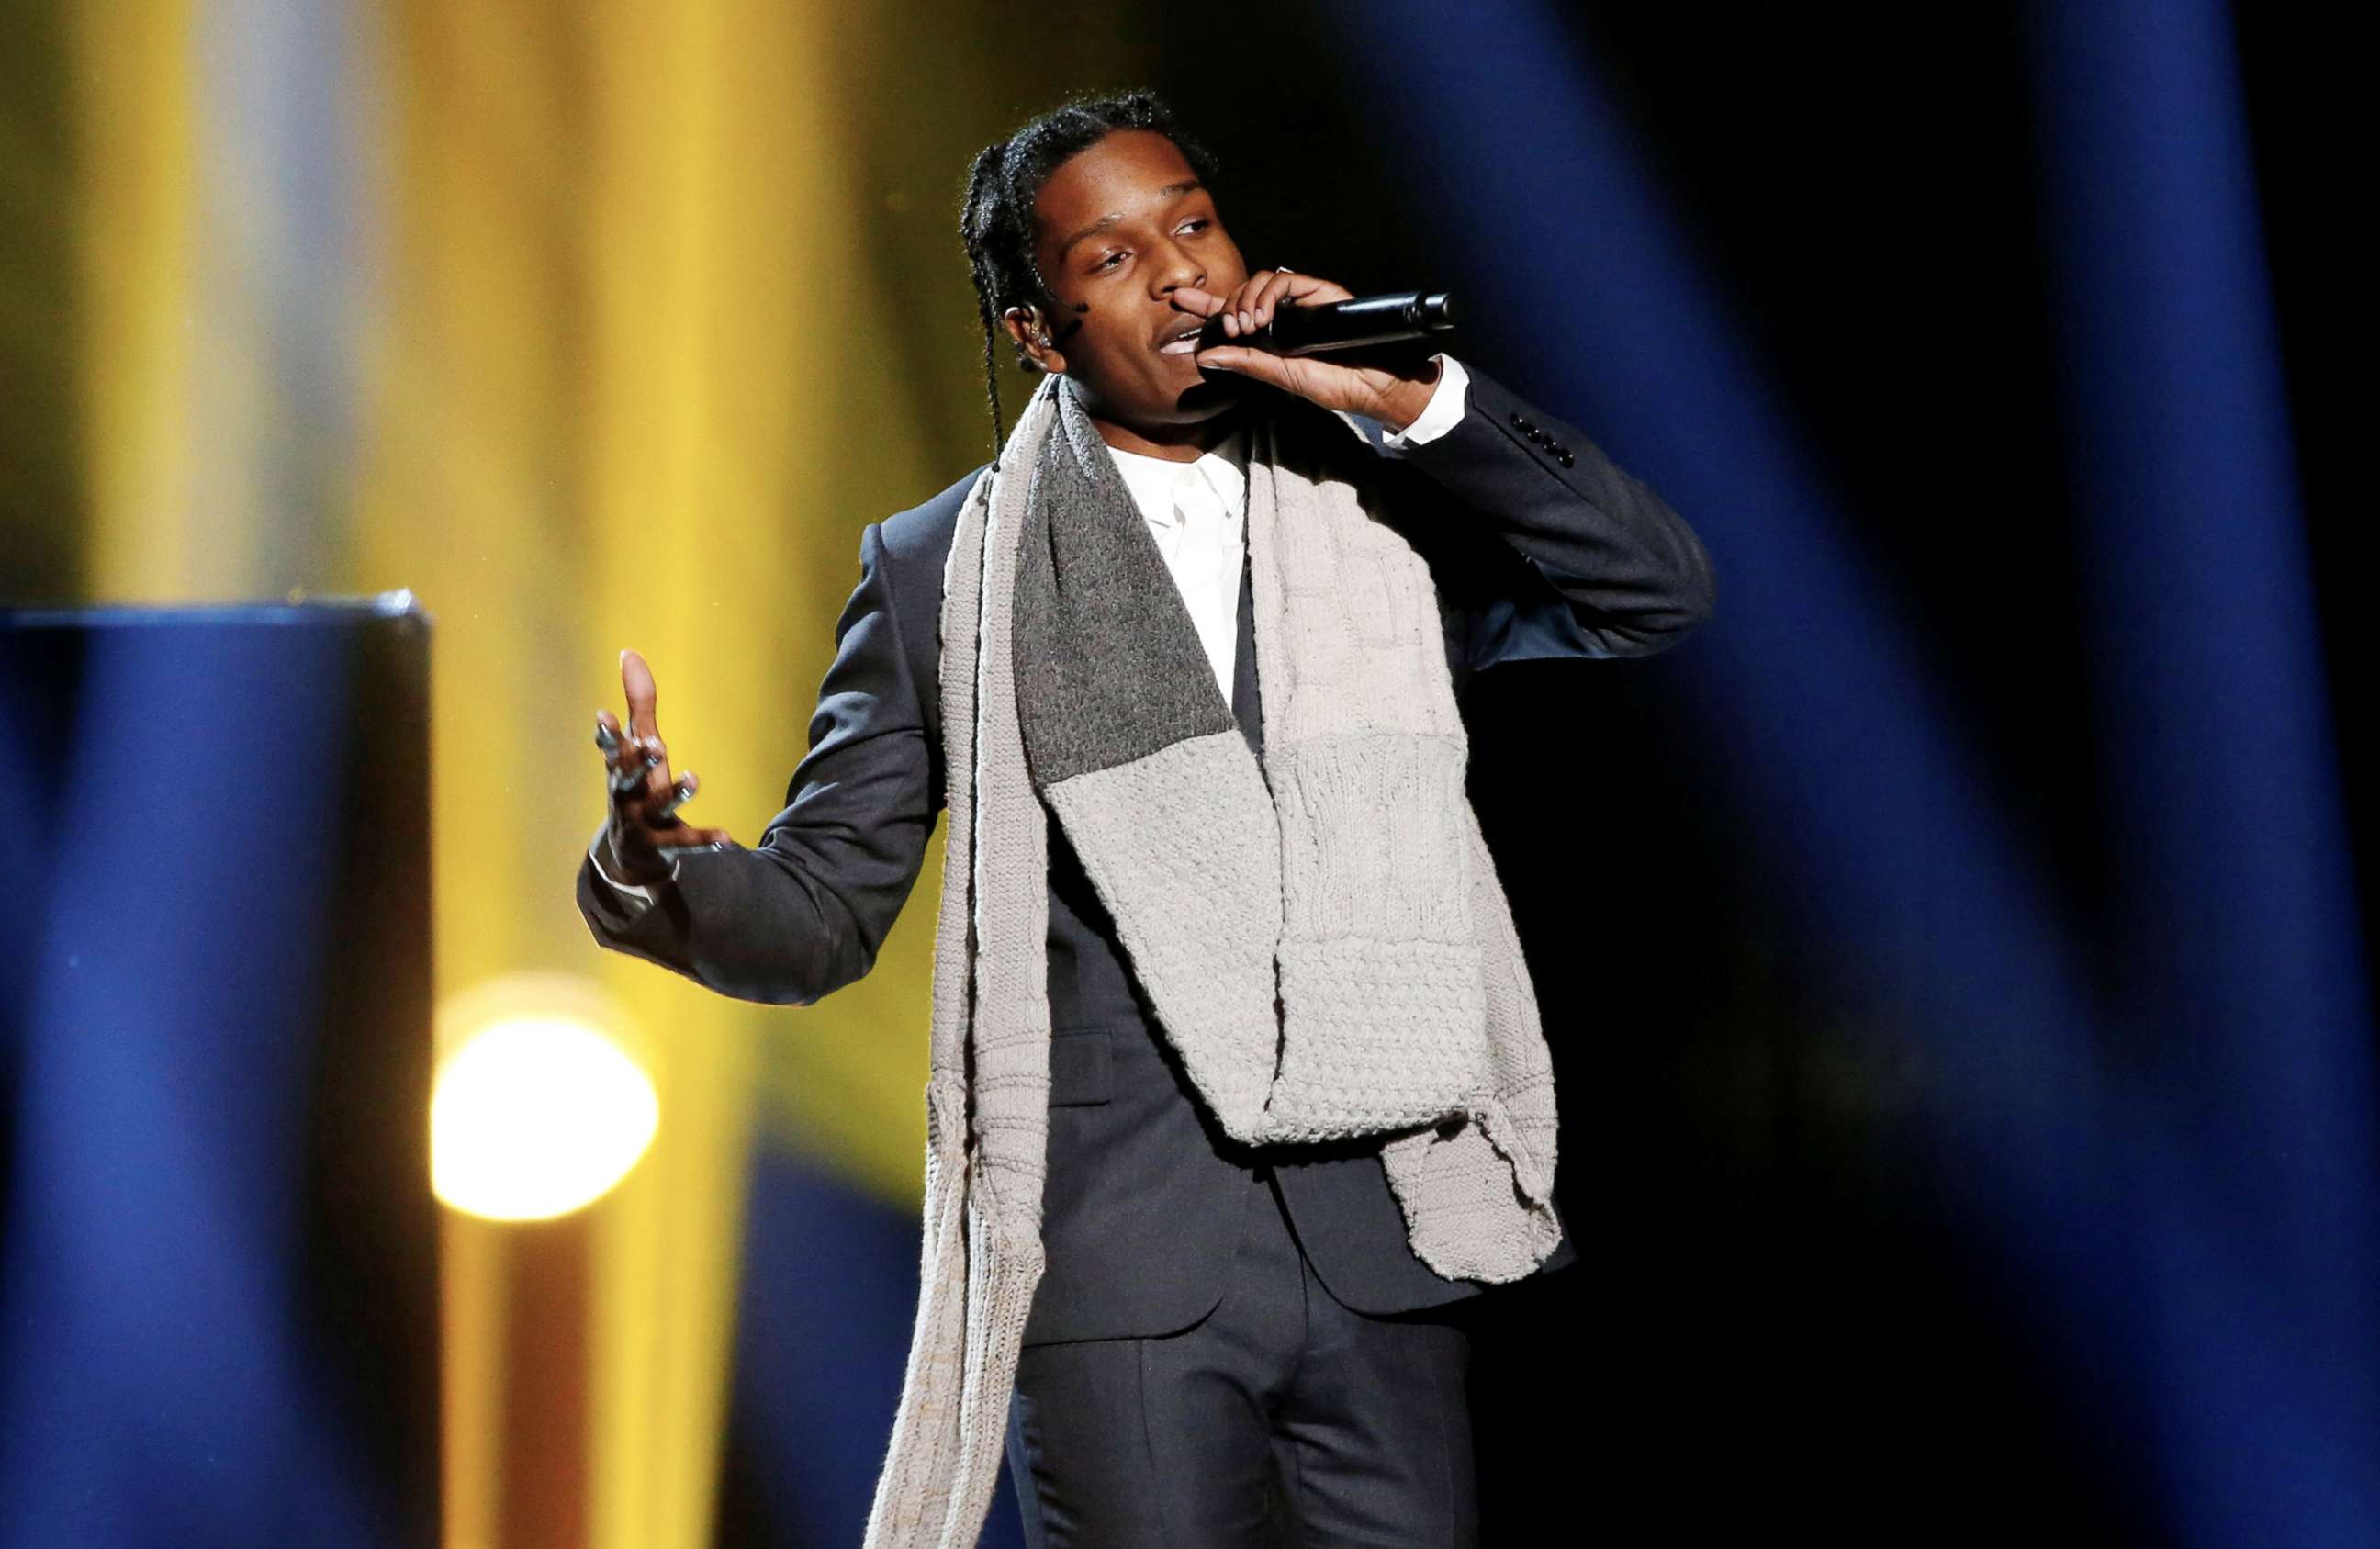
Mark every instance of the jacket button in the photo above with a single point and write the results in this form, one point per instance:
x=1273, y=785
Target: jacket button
x=1566, y=458
x=1520, y=423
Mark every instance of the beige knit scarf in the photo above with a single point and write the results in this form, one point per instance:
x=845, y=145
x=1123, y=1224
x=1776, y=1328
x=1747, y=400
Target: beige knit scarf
x=1322, y=936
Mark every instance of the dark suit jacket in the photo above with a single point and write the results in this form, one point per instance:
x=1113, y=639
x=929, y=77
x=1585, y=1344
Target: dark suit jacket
x=1539, y=547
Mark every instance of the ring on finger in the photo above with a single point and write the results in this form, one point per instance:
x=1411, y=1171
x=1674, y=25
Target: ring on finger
x=680, y=793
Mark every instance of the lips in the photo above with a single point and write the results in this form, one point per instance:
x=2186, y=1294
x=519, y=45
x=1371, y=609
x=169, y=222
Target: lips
x=1179, y=339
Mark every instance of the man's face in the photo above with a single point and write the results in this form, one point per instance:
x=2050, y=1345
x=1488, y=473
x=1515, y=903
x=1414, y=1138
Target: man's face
x=1118, y=228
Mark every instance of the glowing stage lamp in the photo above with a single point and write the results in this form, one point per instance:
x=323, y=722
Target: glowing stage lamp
x=538, y=1108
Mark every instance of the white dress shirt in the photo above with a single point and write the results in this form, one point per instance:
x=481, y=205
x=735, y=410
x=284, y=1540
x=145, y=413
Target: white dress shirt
x=1197, y=513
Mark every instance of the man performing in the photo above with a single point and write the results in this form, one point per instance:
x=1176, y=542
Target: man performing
x=1237, y=1083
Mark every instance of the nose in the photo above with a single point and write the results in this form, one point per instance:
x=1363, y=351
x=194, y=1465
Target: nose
x=1176, y=269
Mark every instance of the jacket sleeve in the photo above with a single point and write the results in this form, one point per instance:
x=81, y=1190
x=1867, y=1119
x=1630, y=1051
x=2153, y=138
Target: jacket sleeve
x=801, y=914
x=1550, y=549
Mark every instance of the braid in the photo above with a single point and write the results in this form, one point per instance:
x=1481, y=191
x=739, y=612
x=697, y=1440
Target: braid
x=979, y=175
x=996, y=218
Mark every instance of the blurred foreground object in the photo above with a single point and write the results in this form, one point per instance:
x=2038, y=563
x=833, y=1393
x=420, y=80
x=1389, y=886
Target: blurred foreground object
x=218, y=1265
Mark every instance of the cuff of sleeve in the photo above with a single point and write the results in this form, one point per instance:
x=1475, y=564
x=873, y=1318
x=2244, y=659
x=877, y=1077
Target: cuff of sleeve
x=632, y=896
x=1443, y=411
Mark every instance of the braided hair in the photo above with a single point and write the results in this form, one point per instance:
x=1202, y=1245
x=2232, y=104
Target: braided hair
x=996, y=219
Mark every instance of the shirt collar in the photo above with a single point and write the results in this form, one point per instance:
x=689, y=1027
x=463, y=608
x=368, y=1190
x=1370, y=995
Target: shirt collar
x=1152, y=480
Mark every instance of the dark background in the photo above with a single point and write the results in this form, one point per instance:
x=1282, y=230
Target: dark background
x=1781, y=1318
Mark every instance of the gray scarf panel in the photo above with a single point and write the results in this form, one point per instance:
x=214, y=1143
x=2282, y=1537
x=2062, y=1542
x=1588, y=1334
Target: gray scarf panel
x=1306, y=930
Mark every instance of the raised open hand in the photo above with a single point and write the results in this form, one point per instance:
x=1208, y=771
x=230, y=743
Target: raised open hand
x=647, y=833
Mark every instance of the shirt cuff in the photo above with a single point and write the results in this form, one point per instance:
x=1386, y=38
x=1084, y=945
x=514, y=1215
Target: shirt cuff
x=635, y=897
x=1441, y=414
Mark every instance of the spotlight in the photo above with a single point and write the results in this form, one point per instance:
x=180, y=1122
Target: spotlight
x=538, y=1108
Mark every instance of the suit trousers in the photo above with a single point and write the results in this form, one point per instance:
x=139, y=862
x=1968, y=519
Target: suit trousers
x=1281, y=1417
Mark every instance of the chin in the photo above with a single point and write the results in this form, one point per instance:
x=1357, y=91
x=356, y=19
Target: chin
x=1191, y=397
x=1210, y=396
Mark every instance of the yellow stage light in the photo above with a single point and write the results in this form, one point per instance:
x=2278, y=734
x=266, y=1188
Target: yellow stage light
x=534, y=1111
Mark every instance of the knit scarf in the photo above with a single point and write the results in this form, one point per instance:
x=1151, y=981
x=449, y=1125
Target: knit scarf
x=1322, y=936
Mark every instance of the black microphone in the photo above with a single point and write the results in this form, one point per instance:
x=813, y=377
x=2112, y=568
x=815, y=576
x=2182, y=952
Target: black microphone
x=1336, y=325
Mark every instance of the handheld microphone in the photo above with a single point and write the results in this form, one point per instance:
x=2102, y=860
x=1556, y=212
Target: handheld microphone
x=1337, y=325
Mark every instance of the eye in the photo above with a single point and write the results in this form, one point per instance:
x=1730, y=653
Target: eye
x=1195, y=223
x=1109, y=262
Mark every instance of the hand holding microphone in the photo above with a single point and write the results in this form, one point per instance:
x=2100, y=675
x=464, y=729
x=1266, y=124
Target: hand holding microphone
x=1289, y=351
x=1360, y=322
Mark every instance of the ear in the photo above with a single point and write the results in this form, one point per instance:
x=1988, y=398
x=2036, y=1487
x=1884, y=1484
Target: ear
x=1027, y=326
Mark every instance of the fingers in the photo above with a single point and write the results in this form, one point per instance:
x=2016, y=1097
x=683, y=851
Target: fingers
x=644, y=726
x=628, y=772
x=645, y=798
x=638, y=774
x=1262, y=365
x=1199, y=303
x=636, y=679
x=624, y=758
x=687, y=841
x=1250, y=304
x=636, y=764
x=1287, y=286
x=1244, y=316
x=1335, y=385
x=1266, y=292
x=681, y=790
x=649, y=823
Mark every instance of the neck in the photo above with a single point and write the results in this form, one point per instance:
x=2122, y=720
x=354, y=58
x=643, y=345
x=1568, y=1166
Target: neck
x=1174, y=443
